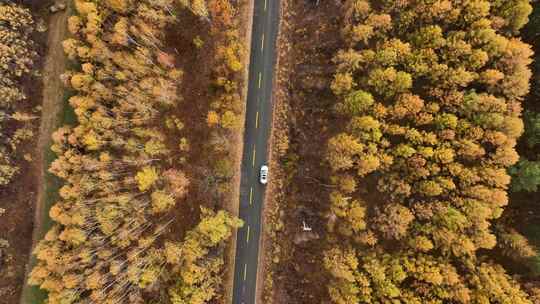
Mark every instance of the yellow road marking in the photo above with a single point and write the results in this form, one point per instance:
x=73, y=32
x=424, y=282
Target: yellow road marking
x=253, y=156
x=247, y=240
x=257, y=120
x=260, y=78
x=251, y=196
x=245, y=271
x=262, y=43
x=265, y=5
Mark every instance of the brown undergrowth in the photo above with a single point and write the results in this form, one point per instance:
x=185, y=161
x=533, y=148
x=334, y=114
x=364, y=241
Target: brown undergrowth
x=209, y=187
x=303, y=121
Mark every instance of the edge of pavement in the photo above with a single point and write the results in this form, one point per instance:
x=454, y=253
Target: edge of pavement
x=264, y=257
x=233, y=205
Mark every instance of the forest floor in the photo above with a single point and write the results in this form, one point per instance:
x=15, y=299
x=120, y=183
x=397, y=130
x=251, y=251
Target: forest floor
x=305, y=100
x=191, y=110
x=55, y=112
x=198, y=92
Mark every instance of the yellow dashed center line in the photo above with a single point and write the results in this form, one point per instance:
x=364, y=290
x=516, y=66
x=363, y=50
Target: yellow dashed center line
x=253, y=156
x=247, y=239
x=260, y=79
x=262, y=43
x=251, y=195
x=265, y=5
x=257, y=120
x=245, y=271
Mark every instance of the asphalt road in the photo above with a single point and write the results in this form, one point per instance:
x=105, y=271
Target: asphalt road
x=257, y=133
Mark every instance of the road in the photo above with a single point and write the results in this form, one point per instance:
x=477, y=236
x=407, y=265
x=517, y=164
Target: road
x=257, y=133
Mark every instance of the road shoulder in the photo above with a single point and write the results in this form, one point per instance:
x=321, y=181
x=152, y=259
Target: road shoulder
x=233, y=204
x=277, y=146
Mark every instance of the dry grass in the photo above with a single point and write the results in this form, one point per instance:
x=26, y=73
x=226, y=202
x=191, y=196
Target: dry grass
x=292, y=272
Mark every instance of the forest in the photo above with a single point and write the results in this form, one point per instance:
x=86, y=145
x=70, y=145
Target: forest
x=428, y=114
x=19, y=120
x=405, y=152
x=431, y=97
x=134, y=220
x=17, y=57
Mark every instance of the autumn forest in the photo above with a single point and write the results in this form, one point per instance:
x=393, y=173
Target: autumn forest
x=125, y=227
x=425, y=191
x=404, y=154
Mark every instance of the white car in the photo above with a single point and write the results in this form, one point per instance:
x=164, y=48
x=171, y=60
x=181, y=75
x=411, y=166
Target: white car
x=264, y=175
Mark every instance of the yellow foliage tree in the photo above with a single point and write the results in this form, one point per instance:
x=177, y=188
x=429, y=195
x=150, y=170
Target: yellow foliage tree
x=146, y=178
x=212, y=118
x=162, y=201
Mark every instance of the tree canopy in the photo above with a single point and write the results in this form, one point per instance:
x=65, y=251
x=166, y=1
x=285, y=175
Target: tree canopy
x=17, y=56
x=108, y=242
x=431, y=92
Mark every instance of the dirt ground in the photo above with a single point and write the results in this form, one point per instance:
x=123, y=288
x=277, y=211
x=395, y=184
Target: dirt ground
x=19, y=197
x=192, y=112
x=16, y=227
x=53, y=96
x=303, y=84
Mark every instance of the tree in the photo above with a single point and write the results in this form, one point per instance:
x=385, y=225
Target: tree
x=178, y=182
x=198, y=270
x=343, y=83
x=162, y=201
x=120, y=6
x=224, y=168
x=231, y=121
x=515, y=13
x=407, y=105
x=430, y=188
x=361, y=33
x=525, y=176
x=341, y=263
x=17, y=57
x=356, y=103
x=493, y=284
x=222, y=11
x=389, y=82
x=147, y=177
x=429, y=37
x=514, y=245
x=197, y=7
x=393, y=222
x=111, y=240
x=532, y=128
x=341, y=151
x=120, y=35
x=85, y=7
x=212, y=118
